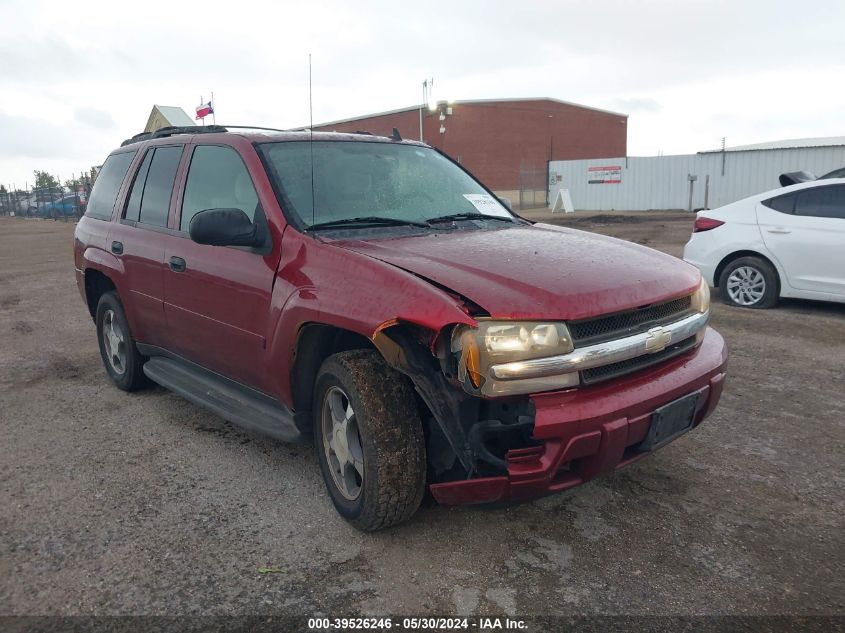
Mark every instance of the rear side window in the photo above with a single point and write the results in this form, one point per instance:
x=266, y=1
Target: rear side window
x=784, y=204
x=155, y=202
x=106, y=187
x=217, y=179
x=821, y=202
x=133, y=207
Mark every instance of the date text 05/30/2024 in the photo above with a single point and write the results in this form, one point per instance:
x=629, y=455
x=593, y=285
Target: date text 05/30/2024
x=417, y=624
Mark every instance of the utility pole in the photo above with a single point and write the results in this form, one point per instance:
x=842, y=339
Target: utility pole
x=691, y=178
x=426, y=86
x=422, y=105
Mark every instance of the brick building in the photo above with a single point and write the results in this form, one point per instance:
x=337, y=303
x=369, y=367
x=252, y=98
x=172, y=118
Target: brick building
x=506, y=143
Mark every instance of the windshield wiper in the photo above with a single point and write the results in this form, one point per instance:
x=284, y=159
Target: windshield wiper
x=467, y=216
x=365, y=221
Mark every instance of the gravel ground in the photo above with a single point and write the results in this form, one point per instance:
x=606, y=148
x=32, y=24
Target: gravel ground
x=145, y=504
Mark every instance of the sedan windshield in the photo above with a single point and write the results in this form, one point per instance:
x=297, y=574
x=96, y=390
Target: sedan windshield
x=356, y=183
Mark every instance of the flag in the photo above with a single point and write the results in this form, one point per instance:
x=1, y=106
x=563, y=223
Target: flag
x=204, y=110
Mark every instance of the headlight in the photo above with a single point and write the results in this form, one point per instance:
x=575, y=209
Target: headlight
x=701, y=298
x=505, y=344
x=701, y=304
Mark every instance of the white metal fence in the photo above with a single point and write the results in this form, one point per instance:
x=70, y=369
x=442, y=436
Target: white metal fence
x=663, y=182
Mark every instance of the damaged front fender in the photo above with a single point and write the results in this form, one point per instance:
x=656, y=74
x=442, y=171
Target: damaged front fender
x=474, y=432
x=402, y=346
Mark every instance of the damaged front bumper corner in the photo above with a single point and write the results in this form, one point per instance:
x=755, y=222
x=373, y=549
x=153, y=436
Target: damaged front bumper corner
x=583, y=433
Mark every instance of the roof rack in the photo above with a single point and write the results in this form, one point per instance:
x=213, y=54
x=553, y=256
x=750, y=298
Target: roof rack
x=143, y=136
x=256, y=127
x=187, y=129
x=172, y=130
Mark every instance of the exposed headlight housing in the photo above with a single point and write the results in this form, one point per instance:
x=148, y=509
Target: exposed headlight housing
x=489, y=356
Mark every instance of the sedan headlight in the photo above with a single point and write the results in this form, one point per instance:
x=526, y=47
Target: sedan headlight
x=489, y=356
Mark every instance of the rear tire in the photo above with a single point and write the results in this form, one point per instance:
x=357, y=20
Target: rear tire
x=369, y=440
x=122, y=360
x=750, y=282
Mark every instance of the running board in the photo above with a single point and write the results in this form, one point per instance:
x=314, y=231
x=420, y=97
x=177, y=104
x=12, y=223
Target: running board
x=233, y=402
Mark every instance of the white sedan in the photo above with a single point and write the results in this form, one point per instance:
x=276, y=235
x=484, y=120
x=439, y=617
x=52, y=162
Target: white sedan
x=789, y=242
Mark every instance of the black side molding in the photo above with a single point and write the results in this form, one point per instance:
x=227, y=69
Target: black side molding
x=236, y=403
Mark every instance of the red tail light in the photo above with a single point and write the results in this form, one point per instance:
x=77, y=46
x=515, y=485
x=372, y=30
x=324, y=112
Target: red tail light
x=705, y=224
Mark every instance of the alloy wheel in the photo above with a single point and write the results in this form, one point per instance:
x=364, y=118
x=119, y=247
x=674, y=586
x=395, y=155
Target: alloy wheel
x=114, y=342
x=342, y=443
x=746, y=286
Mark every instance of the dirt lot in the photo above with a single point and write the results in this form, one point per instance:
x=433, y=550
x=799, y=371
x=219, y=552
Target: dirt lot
x=116, y=504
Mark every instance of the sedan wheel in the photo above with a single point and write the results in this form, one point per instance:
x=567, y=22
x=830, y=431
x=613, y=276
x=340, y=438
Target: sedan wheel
x=750, y=282
x=746, y=286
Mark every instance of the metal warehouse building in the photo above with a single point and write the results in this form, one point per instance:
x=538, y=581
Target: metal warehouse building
x=704, y=180
x=506, y=143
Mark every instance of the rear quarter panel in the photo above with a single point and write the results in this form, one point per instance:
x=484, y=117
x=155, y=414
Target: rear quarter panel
x=90, y=251
x=707, y=249
x=92, y=239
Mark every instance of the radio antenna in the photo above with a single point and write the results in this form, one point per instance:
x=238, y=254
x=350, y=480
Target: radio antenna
x=311, y=135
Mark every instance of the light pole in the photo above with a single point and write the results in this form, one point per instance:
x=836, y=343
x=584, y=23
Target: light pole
x=426, y=86
x=422, y=105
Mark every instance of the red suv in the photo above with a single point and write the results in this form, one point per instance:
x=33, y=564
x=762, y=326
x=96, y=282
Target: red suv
x=370, y=293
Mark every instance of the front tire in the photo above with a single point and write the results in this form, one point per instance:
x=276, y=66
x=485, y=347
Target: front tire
x=369, y=440
x=750, y=282
x=122, y=360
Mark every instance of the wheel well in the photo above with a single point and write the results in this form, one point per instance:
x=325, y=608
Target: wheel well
x=96, y=285
x=733, y=257
x=315, y=343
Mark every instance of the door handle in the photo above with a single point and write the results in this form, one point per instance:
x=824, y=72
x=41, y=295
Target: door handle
x=117, y=248
x=779, y=230
x=177, y=264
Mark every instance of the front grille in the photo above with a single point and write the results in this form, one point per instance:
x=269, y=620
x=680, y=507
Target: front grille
x=606, y=372
x=606, y=328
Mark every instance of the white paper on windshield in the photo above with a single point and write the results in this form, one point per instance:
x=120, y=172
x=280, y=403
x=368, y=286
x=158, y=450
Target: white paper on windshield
x=487, y=204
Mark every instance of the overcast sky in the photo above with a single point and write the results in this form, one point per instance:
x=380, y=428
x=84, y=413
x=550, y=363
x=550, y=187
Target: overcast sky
x=76, y=78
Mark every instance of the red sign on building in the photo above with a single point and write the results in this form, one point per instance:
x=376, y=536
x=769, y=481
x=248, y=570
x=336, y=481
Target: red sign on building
x=604, y=175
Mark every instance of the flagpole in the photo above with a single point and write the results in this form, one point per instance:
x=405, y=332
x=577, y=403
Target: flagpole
x=213, y=118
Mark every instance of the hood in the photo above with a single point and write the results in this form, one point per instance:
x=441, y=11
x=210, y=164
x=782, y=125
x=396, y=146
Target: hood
x=538, y=272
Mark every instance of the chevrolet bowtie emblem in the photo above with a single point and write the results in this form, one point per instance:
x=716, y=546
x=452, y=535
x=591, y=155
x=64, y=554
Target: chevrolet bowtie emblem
x=657, y=338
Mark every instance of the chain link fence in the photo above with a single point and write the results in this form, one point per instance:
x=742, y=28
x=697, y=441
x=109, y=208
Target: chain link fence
x=57, y=203
x=533, y=186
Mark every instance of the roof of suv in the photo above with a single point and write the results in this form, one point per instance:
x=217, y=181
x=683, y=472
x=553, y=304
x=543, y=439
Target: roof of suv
x=259, y=134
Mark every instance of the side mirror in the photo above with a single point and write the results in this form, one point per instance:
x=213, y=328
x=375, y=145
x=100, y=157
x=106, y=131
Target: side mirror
x=224, y=227
x=507, y=203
